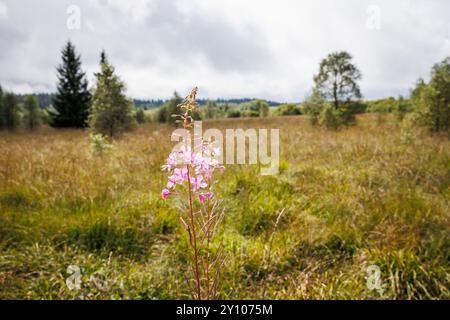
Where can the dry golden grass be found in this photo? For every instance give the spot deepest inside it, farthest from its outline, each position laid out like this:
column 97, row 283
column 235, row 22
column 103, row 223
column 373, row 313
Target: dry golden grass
column 353, row 198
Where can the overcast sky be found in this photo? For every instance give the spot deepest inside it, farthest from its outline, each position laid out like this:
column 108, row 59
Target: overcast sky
column 229, row 48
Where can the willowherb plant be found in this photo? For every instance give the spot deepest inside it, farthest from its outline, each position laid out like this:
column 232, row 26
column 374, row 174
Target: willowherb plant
column 191, row 181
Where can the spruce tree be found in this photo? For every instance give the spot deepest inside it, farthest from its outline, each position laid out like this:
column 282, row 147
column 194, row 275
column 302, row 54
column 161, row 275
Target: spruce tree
column 72, row 101
column 172, row 107
column 111, row 111
column 31, row 107
column 103, row 57
column 11, row 111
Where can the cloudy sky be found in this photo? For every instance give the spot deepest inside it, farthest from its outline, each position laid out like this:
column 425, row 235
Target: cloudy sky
column 229, row 48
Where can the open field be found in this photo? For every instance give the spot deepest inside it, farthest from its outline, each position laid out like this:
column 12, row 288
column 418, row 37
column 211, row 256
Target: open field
column 353, row 198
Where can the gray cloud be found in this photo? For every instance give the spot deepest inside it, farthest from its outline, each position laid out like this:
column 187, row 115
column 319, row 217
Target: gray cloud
column 229, row 48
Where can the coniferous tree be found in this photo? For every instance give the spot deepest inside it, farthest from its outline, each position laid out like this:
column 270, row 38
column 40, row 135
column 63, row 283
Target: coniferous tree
column 103, row 57
column 11, row 111
column 72, row 101
column 111, row 111
column 31, row 106
column 2, row 123
column 171, row 107
column 162, row 115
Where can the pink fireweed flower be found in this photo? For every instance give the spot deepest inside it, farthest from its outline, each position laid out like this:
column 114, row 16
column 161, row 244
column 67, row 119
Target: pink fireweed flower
column 165, row 193
column 171, row 183
column 204, row 196
column 201, row 167
column 180, row 175
column 198, row 182
column 190, row 173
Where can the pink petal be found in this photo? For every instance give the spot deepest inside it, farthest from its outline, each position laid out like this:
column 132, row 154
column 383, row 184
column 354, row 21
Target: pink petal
column 165, row 193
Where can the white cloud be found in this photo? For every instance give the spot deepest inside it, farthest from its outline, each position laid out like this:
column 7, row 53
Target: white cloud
column 137, row 10
column 230, row 48
column 3, row 10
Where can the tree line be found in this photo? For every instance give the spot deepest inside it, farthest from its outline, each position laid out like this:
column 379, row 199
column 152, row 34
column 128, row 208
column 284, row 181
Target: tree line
column 12, row 115
column 336, row 96
column 334, row 101
column 105, row 108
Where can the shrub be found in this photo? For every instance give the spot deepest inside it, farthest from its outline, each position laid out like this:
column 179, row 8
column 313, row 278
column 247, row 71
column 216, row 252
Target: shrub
column 382, row 105
column 408, row 129
column 99, row 144
column 288, row 109
column 214, row 110
column 313, row 106
column 432, row 100
column 330, row 118
column 140, row 116
column 250, row 114
column 234, row 114
column 402, row 108
column 255, row 108
column 172, row 107
column 347, row 113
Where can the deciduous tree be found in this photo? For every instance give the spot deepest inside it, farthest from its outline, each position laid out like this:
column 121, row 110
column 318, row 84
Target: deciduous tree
column 338, row 78
column 432, row 100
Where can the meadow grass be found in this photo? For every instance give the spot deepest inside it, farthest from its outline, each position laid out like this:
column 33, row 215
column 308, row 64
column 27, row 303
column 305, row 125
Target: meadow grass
column 353, row 198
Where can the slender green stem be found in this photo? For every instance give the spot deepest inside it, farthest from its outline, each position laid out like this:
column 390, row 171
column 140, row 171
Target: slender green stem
column 194, row 235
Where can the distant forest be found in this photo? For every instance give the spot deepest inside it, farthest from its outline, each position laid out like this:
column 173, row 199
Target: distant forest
column 45, row 100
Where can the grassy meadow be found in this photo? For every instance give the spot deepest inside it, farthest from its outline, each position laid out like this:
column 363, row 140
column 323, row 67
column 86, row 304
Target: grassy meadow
column 353, row 198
